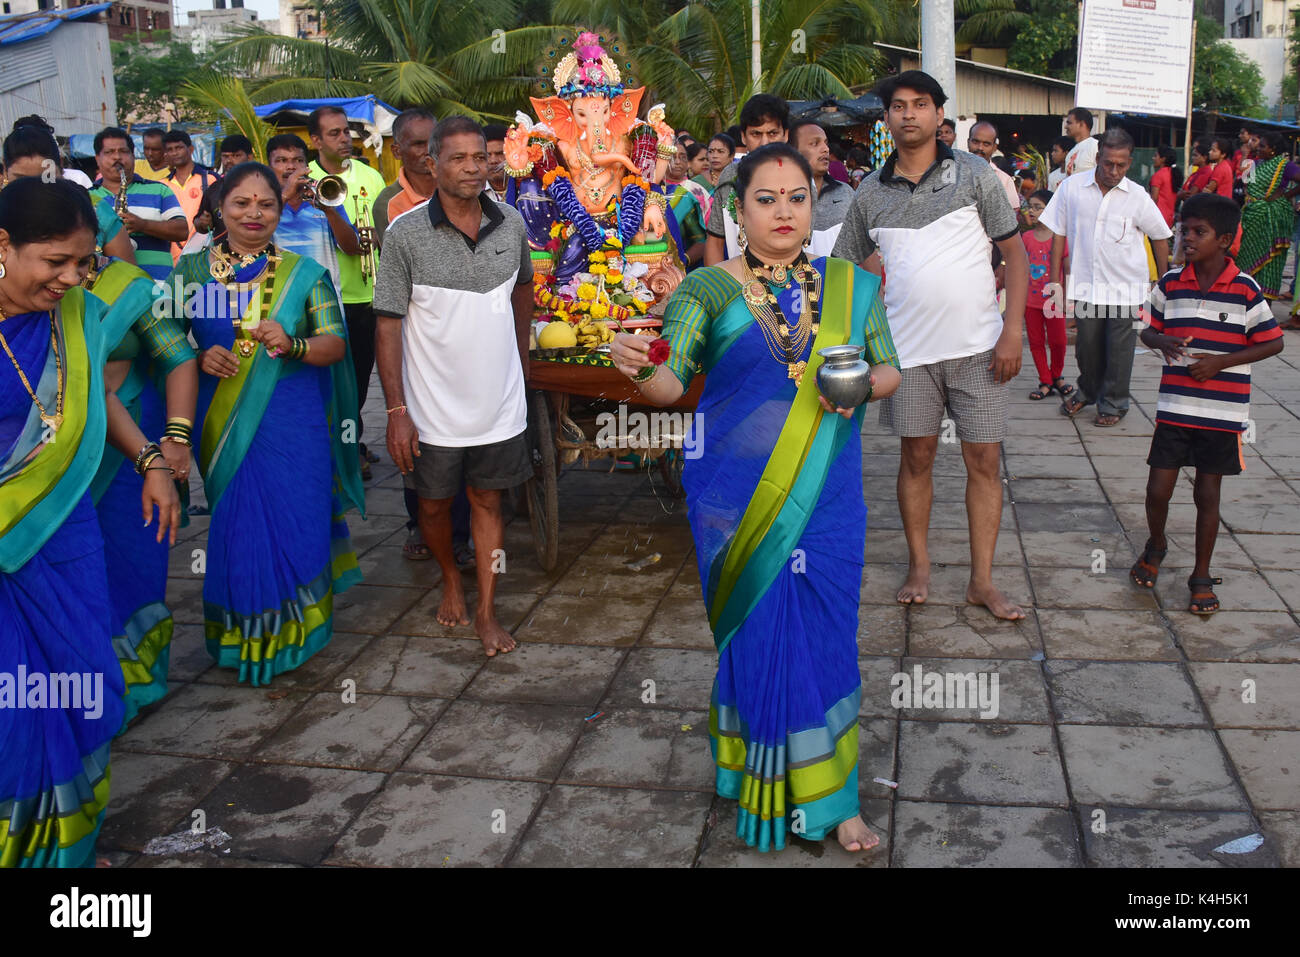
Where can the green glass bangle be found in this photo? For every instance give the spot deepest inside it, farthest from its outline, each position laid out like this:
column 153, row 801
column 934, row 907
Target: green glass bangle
column 646, row 374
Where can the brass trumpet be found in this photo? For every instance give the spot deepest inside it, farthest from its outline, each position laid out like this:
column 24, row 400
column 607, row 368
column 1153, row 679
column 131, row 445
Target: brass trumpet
column 367, row 236
column 326, row 191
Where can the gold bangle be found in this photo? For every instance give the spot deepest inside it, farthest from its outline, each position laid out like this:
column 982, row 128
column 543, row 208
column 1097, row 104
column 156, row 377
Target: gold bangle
column 178, row 440
column 179, row 420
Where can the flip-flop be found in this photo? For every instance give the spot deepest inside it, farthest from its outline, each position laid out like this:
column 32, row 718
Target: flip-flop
column 1065, row 390
column 1069, row 412
column 1106, row 421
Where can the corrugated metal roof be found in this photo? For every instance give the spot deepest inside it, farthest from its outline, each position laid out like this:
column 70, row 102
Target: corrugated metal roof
column 27, row 26
column 988, row 67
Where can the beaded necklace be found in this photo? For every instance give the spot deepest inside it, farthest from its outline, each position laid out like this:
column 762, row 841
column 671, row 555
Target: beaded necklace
column 52, row 422
column 785, row 346
column 222, row 268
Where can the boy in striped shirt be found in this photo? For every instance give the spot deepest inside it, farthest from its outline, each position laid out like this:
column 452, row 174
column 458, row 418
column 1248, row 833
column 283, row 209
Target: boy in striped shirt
column 1211, row 322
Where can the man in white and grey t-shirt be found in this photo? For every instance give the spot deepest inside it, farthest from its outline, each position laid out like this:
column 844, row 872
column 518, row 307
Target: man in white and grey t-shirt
column 928, row 216
column 454, row 300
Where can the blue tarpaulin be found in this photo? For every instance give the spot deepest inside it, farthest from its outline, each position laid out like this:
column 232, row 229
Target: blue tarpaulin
column 371, row 112
column 28, row 26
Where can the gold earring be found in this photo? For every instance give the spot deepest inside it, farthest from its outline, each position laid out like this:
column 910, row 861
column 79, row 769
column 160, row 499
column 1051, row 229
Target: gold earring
column 807, row 241
column 740, row 238
column 2, row 268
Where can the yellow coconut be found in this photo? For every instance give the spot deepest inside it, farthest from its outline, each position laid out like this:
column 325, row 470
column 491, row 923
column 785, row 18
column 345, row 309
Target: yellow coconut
column 557, row 335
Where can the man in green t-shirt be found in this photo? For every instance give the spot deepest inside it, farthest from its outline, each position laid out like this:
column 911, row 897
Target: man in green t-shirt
column 332, row 138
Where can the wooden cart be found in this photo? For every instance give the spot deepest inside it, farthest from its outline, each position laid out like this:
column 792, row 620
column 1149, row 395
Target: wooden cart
column 565, row 396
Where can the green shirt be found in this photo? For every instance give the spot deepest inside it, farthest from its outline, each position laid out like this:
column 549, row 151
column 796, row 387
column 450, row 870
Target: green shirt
column 364, row 186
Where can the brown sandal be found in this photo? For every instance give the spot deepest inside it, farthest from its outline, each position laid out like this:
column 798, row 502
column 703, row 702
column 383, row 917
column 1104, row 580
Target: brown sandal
column 1204, row 601
column 1145, row 571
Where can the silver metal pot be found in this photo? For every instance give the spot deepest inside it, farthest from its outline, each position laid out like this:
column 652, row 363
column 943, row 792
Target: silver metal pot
column 843, row 377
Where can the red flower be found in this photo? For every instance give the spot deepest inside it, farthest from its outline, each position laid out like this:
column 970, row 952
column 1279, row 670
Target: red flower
column 660, row 350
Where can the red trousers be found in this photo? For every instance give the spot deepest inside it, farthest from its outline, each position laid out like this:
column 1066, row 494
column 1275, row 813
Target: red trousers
column 1046, row 334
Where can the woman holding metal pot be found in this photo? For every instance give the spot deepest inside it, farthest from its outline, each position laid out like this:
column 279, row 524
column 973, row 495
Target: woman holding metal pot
column 781, row 572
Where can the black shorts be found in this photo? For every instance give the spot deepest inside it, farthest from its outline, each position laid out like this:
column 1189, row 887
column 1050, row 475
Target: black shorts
column 440, row 469
column 1212, row 451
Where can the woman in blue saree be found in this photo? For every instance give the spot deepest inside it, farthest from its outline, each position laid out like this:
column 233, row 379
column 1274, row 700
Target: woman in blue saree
column 276, row 436
column 151, row 359
column 60, row 684
column 775, row 505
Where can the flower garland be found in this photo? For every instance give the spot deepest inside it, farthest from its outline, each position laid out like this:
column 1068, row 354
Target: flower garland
column 560, row 188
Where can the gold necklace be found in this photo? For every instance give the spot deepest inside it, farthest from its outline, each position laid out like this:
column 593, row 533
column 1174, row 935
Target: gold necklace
column 245, row 345
column 52, row 422
column 784, row 345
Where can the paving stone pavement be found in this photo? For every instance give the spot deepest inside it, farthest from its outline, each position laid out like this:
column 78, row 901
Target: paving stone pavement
column 1128, row 732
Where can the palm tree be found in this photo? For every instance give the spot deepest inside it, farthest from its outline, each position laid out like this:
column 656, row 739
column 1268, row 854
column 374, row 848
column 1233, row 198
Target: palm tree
column 225, row 97
column 696, row 56
column 452, row 56
column 990, row 22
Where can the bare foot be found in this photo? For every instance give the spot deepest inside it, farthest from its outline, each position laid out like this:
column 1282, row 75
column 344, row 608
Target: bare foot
column 917, row 587
column 452, row 611
column 854, row 835
column 999, row 604
column 496, row 640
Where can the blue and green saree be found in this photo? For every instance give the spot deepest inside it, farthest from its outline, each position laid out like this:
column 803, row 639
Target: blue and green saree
column 55, row 614
column 277, row 448
column 155, row 347
column 776, row 510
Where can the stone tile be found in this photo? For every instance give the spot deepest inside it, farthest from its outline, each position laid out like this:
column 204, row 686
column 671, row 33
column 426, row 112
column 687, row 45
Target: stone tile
column 1099, row 443
column 1020, row 698
column 385, row 565
column 876, row 674
column 1098, row 634
column 424, row 820
column 395, row 664
column 882, row 629
column 185, row 600
column 366, row 534
column 1282, row 830
column 1132, row 490
column 1137, row 838
column 1182, row 551
column 1238, row 635
column 1285, row 466
column 1264, row 489
column 208, row 721
column 1121, row 466
column 551, row 674
column 373, row 733
column 1047, row 466
column 1079, row 588
column 189, row 655
column 965, row 835
column 1055, row 491
column 1148, row 767
column 1286, row 584
column 683, row 679
column 582, row 826
column 1274, row 691
column 679, row 623
column 154, row 795
column 593, row 619
column 372, row 609
column 421, row 620
column 1268, row 762
column 968, row 631
column 724, row 848
column 879, row 466
column 288, row 814
column 1239, row 591
column 1271, row 517
column 1072, row 549
column 497, row 739
column 1123, row 693
column 1093, row 517
column 648, row 748
column 980, row 763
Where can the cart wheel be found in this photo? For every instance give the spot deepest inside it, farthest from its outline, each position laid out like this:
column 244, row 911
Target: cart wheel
column 670, row 467
column 541, row 491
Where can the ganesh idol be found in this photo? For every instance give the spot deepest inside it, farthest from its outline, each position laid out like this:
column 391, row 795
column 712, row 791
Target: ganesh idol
column 586, row 182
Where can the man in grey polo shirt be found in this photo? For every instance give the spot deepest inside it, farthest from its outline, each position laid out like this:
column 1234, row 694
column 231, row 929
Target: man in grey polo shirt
column 454, row 301
column 833, row 197
column 928, row 216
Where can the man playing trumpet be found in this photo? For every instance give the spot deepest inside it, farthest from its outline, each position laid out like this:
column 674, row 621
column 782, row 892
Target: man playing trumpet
column 309, row 226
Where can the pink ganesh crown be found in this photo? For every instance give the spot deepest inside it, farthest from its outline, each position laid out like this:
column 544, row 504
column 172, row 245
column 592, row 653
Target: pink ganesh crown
column 587, row 71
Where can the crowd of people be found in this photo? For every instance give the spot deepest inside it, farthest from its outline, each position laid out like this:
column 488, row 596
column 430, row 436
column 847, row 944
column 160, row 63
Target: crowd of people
column 166, row 315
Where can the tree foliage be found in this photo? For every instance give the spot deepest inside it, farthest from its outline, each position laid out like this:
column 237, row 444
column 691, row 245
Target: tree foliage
column 696, row 57
column 452, row 56
column 148, row 75
column 1223, row 80
column 1048, row 44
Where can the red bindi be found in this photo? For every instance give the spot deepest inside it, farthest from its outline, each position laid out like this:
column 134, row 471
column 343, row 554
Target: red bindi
column 782, row 190
column 779, row 163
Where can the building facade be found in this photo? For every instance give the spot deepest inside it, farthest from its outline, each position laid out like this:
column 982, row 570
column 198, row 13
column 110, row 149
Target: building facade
column 1259, row 18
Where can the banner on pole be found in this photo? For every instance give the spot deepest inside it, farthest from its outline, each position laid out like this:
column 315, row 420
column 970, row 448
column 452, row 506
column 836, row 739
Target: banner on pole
column 1135, row 56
